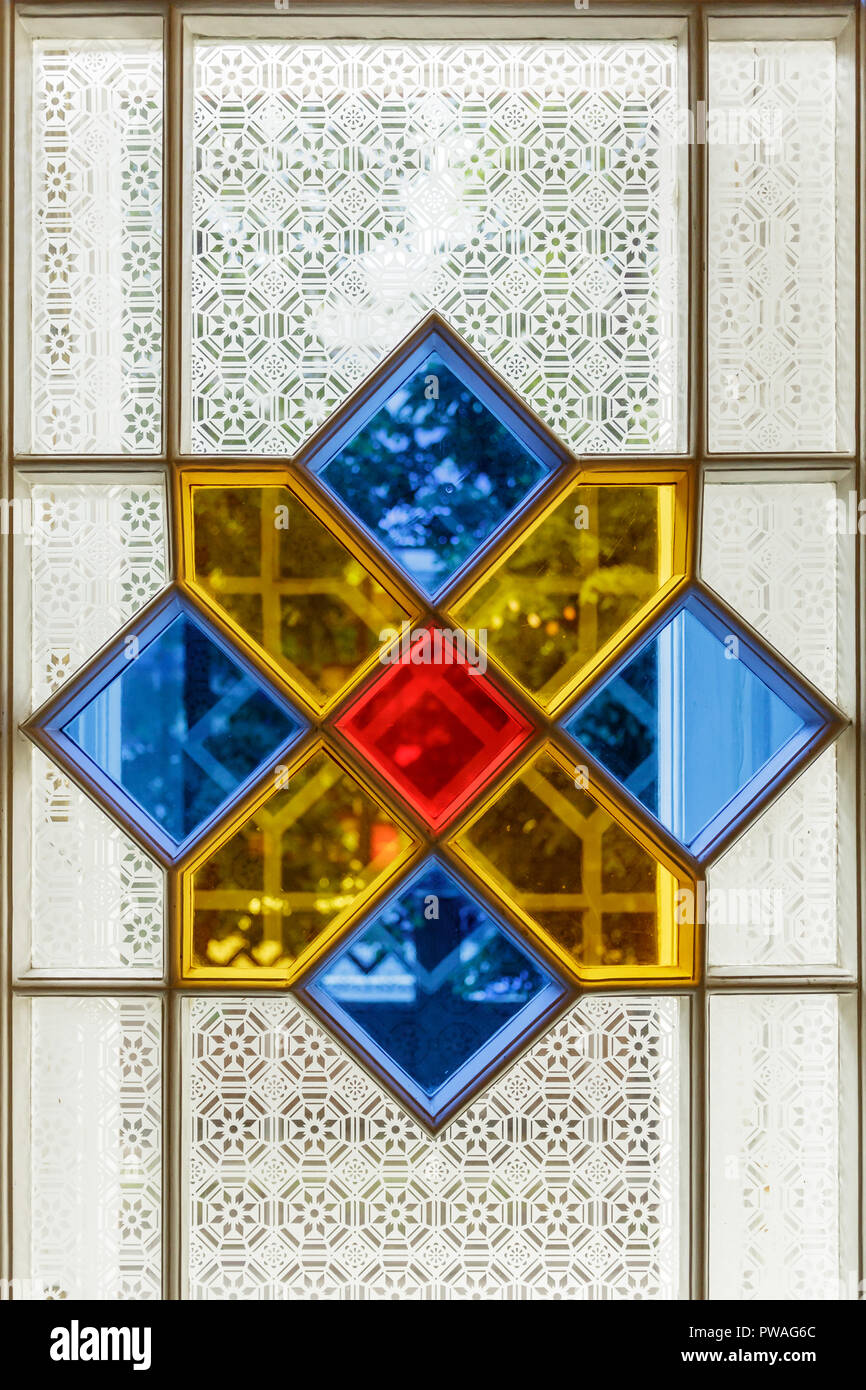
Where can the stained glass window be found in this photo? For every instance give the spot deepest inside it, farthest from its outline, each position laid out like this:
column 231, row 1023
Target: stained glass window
column 432, row 740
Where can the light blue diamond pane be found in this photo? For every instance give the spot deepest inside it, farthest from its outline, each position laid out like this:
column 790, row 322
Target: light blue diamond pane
column 433, row 988
column 686, row 725
column 433, row 474
column 181, row 727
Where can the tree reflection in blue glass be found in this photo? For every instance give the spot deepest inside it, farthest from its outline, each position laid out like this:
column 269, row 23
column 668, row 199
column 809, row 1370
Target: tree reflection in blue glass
column 181, row 726
column 432, row 982
column 433, row 473
column 689, row 722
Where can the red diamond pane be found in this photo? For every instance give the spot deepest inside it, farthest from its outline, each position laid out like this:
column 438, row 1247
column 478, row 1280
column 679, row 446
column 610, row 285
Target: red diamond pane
column 435, row 726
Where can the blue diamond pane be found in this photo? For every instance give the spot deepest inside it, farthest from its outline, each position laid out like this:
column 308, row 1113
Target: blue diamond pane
column 434, row 990
column 181, row 727
column 696, row 724
column 433, row 473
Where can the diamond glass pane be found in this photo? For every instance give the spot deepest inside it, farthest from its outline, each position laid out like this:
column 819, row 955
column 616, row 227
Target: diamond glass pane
column 94, row 241
column 434, row 991
column 604, row 904
column 433, row 473
column 279, row 573
column 278, row 884
column 695, row 724
column 434, row 725
column 171, row 726
column 574, row 583
column 561, row 1181
column 527, row 190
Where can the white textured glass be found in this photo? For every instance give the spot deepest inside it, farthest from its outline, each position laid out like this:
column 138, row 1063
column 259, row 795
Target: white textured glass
column 775, row 1168
column 770, row 549
column 94, row 1097
column 530, row 192
column 306, row 1179
column 98, row 554
column 774, row 898
column 780, row 247
column 94, row 241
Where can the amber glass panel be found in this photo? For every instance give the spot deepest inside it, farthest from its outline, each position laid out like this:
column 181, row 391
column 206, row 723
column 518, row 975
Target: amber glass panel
column 297, row 867
column 288, row 582
column 577, row 579
column 566, row 866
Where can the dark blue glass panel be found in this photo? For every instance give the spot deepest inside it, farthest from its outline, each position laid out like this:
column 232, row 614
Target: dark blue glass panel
column 181, row 727
column 433, row 985
column 433, row 473
column 687, row 723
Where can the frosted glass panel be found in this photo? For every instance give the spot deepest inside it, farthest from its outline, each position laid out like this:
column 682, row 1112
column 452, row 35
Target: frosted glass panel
column 780, row 247
column 774, row 1162
column 94, row 241
column 306, row 1179
column 530, row 192
column 95, row 1145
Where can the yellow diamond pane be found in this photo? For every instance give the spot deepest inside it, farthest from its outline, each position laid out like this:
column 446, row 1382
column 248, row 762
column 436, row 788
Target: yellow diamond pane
column 571, row 872
column 573, row 583
column 290, row 584
column 292, row 872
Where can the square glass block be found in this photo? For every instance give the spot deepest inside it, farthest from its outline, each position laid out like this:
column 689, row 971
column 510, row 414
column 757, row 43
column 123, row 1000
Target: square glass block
column 780, row 245
column 699, row 721
column 528, row 190
column 781, row 1131
column 170, row 726
column 434, row 991
column 437, row 466
column 344, row 1195
column 96, row 900
column 90, row 1157
column 781, row 900
column 91, row 231
column 434, row 724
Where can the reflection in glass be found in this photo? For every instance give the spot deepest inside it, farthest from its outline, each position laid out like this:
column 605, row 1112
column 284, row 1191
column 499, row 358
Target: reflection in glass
column 686, row 724
column 432, row 985
column 289, row 583
column 572, row 581
column 306, row 858
column 433, row 474
column 181, row 727
column 573, row 872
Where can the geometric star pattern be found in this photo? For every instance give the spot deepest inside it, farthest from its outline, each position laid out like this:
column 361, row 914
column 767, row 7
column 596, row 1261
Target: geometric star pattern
column 308, row 1180
column 551, row 206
